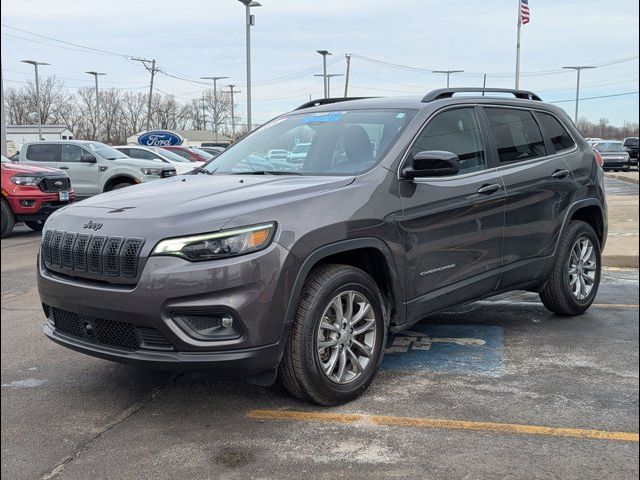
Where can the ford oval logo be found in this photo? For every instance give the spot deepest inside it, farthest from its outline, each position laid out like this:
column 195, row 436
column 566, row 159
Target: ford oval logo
column 159, row 138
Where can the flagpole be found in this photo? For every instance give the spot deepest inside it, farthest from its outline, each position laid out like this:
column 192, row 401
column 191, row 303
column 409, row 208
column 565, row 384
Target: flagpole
column 518, row 48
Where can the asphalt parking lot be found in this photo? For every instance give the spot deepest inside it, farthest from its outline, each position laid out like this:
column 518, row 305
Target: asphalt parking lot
column 496, row 389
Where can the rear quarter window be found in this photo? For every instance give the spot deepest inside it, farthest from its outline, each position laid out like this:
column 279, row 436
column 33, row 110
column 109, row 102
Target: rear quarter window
column 515, row 134
column 43, row 153
column 555, row 132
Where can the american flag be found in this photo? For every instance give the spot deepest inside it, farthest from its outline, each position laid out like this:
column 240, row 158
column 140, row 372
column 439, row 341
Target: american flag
column 525, row 13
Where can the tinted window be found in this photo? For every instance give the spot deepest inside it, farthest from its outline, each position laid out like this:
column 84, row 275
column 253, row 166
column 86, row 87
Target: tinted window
column 609, row 147
column 43, row 152
column 454, row 131
column 71, row 153
column 126, row 151
column 143, row 154
column 631, row 143
column 515, row 134
column 554, row 131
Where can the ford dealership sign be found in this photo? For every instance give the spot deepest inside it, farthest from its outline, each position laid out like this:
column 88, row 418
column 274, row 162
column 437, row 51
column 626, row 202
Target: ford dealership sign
column 159, row 138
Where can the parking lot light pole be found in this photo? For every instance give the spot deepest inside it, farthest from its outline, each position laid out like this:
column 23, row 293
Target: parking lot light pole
column 96, row 75
column 215, row 102
column 38, row 107
column 448, row 73
column 250, row 21
column 578, row 69
column 328, row 76
column 324, row 54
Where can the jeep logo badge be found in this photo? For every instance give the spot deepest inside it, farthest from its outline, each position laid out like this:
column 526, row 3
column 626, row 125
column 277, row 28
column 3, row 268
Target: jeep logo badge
column 92, row 225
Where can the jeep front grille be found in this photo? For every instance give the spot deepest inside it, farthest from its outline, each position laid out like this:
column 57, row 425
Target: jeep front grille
column 93, row 256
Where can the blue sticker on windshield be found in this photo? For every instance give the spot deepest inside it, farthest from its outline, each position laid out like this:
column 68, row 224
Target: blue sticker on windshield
column 322, row 117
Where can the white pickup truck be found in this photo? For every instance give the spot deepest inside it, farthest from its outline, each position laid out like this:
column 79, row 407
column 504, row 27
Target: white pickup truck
column 93, row 167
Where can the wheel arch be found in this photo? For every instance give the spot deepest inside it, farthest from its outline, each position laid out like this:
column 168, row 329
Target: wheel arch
column 369, row 254
column 118, row 179
column 589, row 211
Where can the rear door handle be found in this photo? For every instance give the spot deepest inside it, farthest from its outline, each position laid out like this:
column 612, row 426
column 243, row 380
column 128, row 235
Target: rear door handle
column 63, row 168
column 561, row 174
column 489, row 189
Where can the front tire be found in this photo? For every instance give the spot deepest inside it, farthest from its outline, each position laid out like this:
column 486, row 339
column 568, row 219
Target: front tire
column 575, row 278
column 337, row 338
column 7, row 218
column 119, row 185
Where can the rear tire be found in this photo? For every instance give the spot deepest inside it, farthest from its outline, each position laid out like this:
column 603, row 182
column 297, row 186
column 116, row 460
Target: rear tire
column 575, row 278
column 8, row 219
column 337, row 338
column 35, row 226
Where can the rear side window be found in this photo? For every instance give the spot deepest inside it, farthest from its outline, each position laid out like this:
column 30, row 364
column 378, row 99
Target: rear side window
column 515, row 134
column 44, row 152
column 455, row 131
column 555, row 132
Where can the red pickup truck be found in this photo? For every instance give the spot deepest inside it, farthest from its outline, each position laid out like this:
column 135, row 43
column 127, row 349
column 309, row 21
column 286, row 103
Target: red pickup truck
column 30, row 194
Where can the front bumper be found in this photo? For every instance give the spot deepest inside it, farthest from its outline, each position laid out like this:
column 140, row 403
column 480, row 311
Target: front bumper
column 34, row 205
column 252, row 288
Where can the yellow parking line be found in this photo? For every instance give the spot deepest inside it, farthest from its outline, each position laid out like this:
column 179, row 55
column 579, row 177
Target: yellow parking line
column 347, row 418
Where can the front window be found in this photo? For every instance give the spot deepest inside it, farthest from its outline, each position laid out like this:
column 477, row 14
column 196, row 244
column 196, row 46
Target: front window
column 609, row 147
column 105, row 151
column 339, row 143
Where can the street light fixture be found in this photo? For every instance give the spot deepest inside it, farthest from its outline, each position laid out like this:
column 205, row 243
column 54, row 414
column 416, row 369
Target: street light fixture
column 578, row 69
column 328, row 77
column 324, row 54
column 215, row 102
column 96, row 75
column 36, row 64
column 448, row 73
column 250, row 22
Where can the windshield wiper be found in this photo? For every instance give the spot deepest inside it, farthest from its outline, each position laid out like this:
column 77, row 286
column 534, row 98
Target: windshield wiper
column 267, row 172
column 198, row 170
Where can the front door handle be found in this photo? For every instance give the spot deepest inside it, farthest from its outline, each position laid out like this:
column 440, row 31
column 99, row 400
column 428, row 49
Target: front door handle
column 489, row 189
column 561, row 174
column 63, row 168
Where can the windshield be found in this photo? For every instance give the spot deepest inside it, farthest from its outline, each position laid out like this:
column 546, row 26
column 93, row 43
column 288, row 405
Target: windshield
column 340, row 143
column 609, row 147
column 169, row 155
column 202, row 153
column 105, row 151
column 301, row 148
column 631, row 142
column 5, row 159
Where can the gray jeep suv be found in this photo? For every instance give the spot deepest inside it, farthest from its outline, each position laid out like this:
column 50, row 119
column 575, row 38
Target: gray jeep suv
column 297, row 270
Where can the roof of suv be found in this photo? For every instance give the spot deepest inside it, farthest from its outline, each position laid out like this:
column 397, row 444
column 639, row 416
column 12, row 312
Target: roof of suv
column 438, row 97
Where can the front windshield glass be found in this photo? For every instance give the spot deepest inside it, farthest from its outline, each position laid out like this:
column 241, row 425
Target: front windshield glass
column 169, row 155
column 340, row 143
column 609, row 147
column 105, row 151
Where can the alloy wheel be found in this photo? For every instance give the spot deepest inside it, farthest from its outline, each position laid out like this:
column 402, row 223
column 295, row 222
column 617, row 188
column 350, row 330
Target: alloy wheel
column 346, row 337
column 583, row 266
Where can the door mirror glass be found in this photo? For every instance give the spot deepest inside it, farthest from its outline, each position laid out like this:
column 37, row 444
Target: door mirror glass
column 86, row 158
column 432, row 163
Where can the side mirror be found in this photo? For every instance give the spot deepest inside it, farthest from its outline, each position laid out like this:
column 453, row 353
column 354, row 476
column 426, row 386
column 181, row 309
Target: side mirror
column 88, row 159
column 432, row 163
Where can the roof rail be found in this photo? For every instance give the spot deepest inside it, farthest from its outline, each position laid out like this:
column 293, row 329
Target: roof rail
column 449, row 92
column 327, row 101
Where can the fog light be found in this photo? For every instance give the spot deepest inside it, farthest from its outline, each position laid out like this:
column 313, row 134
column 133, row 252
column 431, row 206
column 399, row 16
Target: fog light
column 208, row 326
column 27, row 203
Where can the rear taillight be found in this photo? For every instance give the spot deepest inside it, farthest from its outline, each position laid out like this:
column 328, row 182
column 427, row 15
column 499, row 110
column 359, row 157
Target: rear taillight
column 598, row 157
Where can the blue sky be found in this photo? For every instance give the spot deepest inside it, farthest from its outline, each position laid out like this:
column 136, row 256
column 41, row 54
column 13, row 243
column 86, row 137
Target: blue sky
column 194, row 38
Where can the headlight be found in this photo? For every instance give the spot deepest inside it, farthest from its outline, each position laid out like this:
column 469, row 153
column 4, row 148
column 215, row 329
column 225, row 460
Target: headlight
column 224, row 244
column 24, row 180
column 151, row 171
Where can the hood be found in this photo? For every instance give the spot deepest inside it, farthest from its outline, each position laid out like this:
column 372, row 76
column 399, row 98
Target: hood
column 189, row 204
column 137, row 162
column 30, row 169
